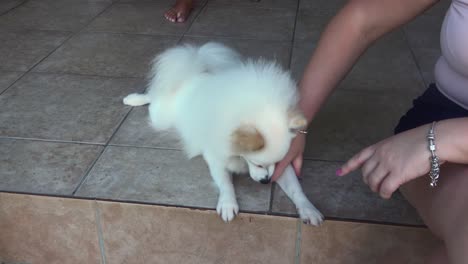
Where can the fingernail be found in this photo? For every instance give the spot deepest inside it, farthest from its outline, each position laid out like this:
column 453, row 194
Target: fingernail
column 339, row 171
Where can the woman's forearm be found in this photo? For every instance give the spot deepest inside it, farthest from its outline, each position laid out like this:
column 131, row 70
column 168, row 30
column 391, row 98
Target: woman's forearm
column 347, row 36
column 452, row 140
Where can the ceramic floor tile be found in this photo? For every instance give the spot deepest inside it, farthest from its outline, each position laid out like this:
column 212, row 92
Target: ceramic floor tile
column 44, row 167
column 153, row 234
column 20, row 50
column 37, row 229
column 423, row 35
column 353, row 243
column 271, row 50
column 164, row 177
column 7, row 78
column 64, row 107
column 424, row 32
column 345, row 197
column 243, row 22
column 289, row 4
column 312, row 19
column 322, row 5
column 427, row 59
column 67, row 15
column 386, row 66
column 141, row 17
column 439, row 9
column 107, row 54
column 136, row 131
column 350, row 121
column 195, row 3
column 8, row 5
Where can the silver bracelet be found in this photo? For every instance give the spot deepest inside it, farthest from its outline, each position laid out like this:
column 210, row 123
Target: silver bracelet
column 435, row 169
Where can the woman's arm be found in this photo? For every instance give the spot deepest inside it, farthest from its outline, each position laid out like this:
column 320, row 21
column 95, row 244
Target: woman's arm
column 346, row 37
column 401, row 158
column 452, row 140
column 356, row 26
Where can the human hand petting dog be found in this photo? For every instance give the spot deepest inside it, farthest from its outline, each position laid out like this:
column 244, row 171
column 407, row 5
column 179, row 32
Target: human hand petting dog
column 294, row 157
column 392, row 162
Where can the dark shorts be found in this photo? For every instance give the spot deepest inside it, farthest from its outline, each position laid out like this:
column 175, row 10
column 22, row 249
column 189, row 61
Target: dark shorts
column 431, row 106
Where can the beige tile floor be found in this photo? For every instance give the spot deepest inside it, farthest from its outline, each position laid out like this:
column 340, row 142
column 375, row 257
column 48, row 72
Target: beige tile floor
column 42, row 229
column 67, row 64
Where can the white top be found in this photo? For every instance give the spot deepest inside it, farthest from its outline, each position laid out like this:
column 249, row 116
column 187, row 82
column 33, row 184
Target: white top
column 451, row 70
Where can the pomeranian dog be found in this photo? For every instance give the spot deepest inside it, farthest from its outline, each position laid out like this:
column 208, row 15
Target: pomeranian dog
column 239, row 115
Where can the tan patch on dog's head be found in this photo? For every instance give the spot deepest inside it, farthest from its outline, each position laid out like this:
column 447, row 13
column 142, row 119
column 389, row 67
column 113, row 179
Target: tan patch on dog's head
column 247, row 139
column 297, row 121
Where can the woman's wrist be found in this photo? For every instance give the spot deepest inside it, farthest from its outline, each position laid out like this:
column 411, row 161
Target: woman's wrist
column 452, row 140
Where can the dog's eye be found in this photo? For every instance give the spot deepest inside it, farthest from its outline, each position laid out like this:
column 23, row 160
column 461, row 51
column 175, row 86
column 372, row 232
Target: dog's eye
column 259, row 166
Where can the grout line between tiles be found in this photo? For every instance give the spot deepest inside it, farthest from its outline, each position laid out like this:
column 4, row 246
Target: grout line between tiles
column 193, row 21
column 283, row 42
column 130, row 33
column 6, row 29
column 291, row 48
column 144, row 147
column 118, row 126
column 297, row 255
column 241, row 5
column 237, row 37
column 91, row 166
column 90, row 75
column 272, row 193
column 413, row 55
column 87, row 143
column 53, row 140
column 56, row 48
column 13, row 8
column 132, row 146
column 99, row 232
column 324, row 160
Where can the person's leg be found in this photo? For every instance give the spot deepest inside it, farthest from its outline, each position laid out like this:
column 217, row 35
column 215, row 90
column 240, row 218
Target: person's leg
column 180, row 11
column 444, row 209
column 438, row 255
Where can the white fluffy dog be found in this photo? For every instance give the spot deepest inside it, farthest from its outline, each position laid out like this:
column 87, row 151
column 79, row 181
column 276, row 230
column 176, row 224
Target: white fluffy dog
column 240, row 116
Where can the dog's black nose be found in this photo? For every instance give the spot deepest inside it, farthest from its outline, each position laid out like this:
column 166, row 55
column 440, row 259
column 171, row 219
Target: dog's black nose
column 265, row 180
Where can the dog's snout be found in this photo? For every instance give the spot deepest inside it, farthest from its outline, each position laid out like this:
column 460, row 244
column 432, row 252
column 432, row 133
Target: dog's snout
column 265, row 180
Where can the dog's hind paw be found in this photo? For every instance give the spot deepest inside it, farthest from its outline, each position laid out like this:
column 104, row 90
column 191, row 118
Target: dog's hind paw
column 227, row 209
column 310, row 215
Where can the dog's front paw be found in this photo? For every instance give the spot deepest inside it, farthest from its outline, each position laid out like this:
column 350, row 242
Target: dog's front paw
column 227, row 208
column 309, row 214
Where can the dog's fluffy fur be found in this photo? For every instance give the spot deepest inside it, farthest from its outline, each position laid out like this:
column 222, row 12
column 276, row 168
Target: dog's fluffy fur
column 239, row 115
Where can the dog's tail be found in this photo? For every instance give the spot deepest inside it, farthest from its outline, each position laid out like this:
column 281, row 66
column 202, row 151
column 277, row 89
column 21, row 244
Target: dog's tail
column 172, row 70
column 136, row 99
column 174, row 67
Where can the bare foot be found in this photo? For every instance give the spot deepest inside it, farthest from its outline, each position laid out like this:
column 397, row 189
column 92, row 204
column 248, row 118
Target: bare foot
column 179, row 12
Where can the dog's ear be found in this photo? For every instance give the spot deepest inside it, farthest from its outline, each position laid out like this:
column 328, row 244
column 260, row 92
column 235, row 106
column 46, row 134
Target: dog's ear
column 297, row 121
column 247, row 139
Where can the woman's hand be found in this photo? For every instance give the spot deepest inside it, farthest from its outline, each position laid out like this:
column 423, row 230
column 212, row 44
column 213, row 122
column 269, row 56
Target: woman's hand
column 293, row 156
column 392, row 162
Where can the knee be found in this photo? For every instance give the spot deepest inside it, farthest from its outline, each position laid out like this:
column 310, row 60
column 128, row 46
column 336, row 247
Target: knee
column 443, row 208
